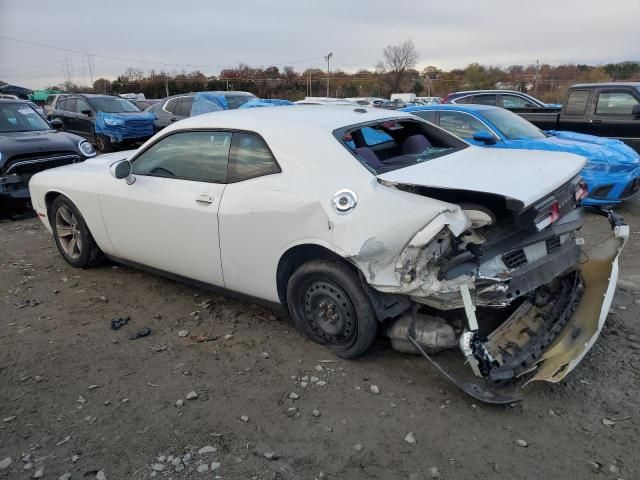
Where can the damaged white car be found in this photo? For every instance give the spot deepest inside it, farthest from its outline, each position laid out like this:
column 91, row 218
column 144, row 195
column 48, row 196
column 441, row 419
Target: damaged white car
column 356, row 221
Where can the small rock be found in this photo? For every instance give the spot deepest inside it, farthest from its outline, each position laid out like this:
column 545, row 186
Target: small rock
column 228, row 336
column 613, row 469
column 608, row 422
column 215, row 466
column 292, row 412
column 179, row 402
column 103, row 298
column 294, row 396
column 265, row 355
column 304, row 384
column 244, row 418
column 433, row 472
column 27, row 466
column 81, row 399
column 8, row 419
column 314, row 379
column 358, row 447
column 5, row 462
column 158, row 467
column 176, row 461
column 520, row 443
column 107, row 402
column 305, row 378
column 321, row 383
column 124, row 400
column 315, row 413
column 39, row 473
column 183, row 333
column 622, row 307
column 186, row 457
column 318, row 368
column 161, row 458
column 100, row 475
column 271, row 455
column 74, row 458
column 207, row 449
column 203, row 468
column 409, row 438
column 594, row 466
column 66, row 476
column 374, row 389
column 191, row 396
column 179, row 467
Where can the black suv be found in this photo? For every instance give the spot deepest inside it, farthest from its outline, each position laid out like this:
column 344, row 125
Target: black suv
column 127, row 127
column 177, row 107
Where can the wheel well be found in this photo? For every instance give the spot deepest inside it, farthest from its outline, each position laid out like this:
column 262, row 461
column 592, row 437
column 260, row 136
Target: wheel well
column 297, row 256
column 48, row 201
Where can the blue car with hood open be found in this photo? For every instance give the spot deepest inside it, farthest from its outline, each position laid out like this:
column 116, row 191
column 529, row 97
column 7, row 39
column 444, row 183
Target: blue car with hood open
column 612, row 172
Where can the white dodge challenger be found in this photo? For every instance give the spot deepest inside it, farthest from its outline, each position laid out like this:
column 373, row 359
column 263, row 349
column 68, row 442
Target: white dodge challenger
column 356, row 221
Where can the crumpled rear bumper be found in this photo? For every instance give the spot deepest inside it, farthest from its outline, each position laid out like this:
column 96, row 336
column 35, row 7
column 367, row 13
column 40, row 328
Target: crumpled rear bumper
column 600, row 274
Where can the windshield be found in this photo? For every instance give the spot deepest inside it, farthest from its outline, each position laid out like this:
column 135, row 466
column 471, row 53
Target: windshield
column 512, row 126
column 20, row 117
column 112, row 105
column 234, row 101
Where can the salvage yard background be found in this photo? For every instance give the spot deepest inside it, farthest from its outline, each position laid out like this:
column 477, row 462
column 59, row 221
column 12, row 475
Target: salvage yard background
column 80, row 398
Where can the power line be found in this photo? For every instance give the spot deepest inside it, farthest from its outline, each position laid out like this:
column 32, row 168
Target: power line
column 133, row 60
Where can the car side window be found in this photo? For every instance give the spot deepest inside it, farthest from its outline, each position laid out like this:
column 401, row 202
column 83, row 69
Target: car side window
column 185, row 106
column 70, row 105
column 461, row 124
column 82, row 105
column 577, row 102
column 615, row 103
column 428, row 115
column 250, row 157
column 198, row 156
column 172, row 106
column 514, row 101
column 486, row 99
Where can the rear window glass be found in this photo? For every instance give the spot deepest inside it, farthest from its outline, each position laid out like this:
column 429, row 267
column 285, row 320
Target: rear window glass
column 577, row 102
column 405, row 143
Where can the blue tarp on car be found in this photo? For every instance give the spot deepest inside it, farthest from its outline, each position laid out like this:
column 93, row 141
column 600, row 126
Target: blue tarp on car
column 207, row 102
column 122, row 126
column 265, row 102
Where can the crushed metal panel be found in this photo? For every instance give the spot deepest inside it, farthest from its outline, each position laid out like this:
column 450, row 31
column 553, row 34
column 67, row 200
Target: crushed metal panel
column 600, row 275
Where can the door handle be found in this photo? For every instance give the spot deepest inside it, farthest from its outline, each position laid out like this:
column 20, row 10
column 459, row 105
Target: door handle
column 205, row 198
column 595, row 121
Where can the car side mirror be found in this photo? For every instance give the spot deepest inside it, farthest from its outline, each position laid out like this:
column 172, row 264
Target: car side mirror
column 636, row 110
column 56, row 123
column 484, row 137
column 122, row 169
column 86, row 112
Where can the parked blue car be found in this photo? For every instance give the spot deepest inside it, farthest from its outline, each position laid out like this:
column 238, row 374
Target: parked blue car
column 612, row 172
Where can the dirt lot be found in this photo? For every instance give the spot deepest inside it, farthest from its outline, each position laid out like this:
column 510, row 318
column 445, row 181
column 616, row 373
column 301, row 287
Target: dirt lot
column 77, row 397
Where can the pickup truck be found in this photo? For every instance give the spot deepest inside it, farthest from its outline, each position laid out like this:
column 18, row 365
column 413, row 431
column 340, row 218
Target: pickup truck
column 602, row 109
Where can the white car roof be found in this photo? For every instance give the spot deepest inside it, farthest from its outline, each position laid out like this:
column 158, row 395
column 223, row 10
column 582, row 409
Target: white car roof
column 277, row 119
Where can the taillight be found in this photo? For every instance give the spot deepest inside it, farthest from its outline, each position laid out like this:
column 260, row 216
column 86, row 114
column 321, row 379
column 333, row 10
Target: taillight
column 582, row 191
column 550, row 217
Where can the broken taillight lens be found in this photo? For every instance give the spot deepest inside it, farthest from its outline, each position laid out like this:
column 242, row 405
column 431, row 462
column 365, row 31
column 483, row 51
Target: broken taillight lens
column 550, row 217
column 581, row 191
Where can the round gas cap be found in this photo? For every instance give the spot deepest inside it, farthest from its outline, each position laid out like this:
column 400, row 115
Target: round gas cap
column 344, row 201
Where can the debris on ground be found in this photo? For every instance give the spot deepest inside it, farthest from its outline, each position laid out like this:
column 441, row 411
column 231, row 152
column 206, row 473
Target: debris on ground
column 142, row 332
column 117, row 323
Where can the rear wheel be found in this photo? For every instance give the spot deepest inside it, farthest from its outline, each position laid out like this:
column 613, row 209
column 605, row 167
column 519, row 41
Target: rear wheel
column 328, row 304
column 72, row 236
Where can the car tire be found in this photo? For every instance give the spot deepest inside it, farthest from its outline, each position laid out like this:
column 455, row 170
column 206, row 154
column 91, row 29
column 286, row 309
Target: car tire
column 72, row 236
column 328, row 304
column 103, row 144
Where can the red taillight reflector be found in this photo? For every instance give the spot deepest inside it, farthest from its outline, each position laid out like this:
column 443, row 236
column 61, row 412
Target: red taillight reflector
column 582, row 191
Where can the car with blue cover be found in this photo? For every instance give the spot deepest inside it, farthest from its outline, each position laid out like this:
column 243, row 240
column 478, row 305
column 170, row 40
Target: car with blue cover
column 110, row 123
column 612, row 172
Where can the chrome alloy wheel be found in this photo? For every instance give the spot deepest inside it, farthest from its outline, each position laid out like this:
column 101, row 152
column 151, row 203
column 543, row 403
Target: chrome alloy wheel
column 68, row 232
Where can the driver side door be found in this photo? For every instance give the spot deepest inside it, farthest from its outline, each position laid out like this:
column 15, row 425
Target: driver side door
column 168, row 218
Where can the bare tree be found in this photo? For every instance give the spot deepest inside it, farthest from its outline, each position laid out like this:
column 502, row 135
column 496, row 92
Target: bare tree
column 396, row 61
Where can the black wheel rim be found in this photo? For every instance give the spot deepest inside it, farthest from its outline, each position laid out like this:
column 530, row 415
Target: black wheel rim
column 330, row 313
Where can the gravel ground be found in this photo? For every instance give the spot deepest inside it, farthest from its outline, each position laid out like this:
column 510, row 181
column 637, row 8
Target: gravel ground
column 260, row 401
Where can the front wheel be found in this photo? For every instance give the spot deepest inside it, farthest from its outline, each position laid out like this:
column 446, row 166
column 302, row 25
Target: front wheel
column 103, row 144
column 72, row 236
column 327, row 303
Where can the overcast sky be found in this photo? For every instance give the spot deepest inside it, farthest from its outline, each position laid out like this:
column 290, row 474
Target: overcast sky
column 216, row 34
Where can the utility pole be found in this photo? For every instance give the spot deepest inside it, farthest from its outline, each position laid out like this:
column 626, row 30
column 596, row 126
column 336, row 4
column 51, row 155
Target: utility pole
column 166, row 85
column 535, row 78
column 328, row 58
